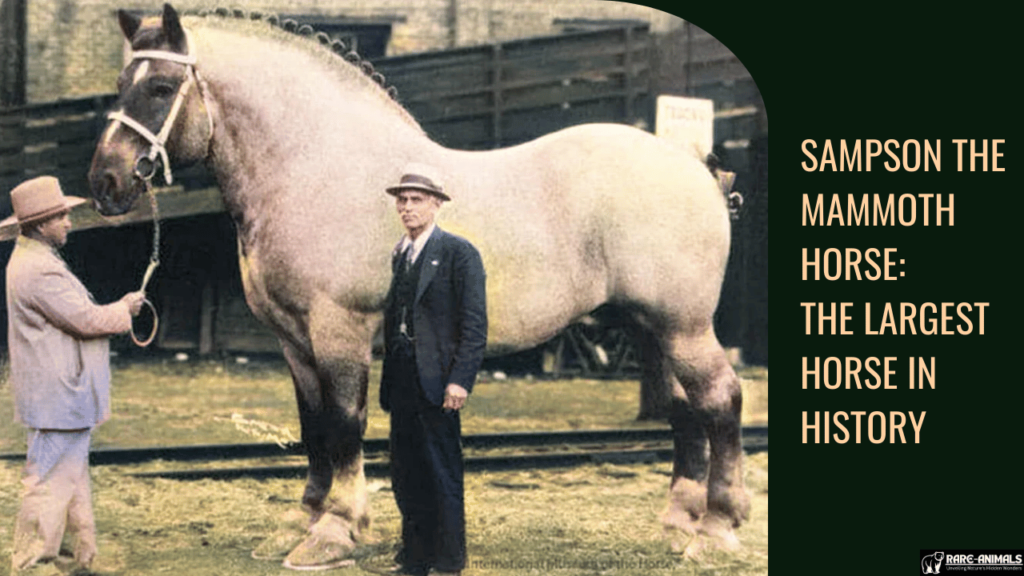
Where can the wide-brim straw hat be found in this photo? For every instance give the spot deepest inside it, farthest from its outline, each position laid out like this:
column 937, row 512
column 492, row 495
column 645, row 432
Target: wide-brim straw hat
column 38, row 199
column 420, row 177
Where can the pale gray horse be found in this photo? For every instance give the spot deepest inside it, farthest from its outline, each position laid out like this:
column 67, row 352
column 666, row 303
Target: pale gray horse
column 303, row 144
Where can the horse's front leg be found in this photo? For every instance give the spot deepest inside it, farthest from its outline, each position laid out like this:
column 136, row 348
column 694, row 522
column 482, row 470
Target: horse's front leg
column 331, row 393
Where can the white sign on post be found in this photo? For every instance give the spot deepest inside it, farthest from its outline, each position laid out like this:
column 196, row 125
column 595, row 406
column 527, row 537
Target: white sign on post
column 688, row 122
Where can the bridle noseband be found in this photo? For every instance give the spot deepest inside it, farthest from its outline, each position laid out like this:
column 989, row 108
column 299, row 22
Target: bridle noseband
column 145, row 166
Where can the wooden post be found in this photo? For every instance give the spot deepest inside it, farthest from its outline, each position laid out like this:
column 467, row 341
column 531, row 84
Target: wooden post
column 627, row 63
column 206, row 312
column 496, row 90
column 13, row 26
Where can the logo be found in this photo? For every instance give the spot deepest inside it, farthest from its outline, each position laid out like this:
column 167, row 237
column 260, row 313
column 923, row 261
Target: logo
column 932, row 563
column 973, row 561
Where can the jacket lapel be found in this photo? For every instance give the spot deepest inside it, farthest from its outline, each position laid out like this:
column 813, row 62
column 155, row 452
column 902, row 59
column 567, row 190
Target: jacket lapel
column 430, row 254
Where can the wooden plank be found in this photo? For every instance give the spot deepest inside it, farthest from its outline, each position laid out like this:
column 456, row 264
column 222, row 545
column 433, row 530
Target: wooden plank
column 429, row 60
column 709, row 49
column 71, row 131
column 455, row 134
column 173, row 203
column 96, row 105
column 535, row 123
column 736, row 128
column 729, row 71
column 596, row 74
column 428, row 63
column 541, row 57
column 740, row 93
column 12, row 135
column 456, row 107
column 55, row 156
column 611, row 53
column 458, row 73
column 12, row 164
column 555, row 94
column 568, row 42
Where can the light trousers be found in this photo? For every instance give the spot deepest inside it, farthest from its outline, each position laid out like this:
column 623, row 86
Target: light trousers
column 56, row 496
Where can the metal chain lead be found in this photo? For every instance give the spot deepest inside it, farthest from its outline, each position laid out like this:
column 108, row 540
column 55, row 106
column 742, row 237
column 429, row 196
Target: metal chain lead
column 154, row 258
column 154, row 261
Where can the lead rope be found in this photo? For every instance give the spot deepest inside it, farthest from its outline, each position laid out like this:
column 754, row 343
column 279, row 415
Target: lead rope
column 154, row 261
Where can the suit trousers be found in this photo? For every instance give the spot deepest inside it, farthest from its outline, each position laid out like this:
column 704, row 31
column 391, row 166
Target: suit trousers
column 426, row 473
column 56, row 495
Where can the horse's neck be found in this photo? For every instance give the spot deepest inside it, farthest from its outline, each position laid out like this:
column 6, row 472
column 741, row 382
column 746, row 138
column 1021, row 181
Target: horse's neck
column 284, row 117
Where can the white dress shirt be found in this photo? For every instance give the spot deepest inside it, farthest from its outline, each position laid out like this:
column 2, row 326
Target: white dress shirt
column 417, row 244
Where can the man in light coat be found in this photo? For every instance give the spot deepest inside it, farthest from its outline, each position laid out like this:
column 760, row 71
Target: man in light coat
column 60, row 375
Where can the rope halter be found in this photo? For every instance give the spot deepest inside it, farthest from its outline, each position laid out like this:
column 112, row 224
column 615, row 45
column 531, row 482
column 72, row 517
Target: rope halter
column 145, row 166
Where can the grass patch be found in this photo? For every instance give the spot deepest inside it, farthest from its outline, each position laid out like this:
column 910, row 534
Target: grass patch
column 163, row 402
column 581, row 521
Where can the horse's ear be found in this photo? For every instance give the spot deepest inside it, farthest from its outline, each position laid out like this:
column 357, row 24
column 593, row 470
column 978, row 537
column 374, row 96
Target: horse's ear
column 129, row 23
column 173, row 31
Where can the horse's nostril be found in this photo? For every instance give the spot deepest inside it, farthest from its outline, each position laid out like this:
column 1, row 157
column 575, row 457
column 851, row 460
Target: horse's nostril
column 107, row 185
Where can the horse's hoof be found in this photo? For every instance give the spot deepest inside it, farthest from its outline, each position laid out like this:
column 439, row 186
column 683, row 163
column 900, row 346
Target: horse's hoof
column 289, row 534
column 327, row 546
column 681, row 541
column 718, row 531
column 687, row 498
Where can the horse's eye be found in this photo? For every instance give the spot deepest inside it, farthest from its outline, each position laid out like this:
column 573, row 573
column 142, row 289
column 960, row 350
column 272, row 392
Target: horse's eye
column 161, row 90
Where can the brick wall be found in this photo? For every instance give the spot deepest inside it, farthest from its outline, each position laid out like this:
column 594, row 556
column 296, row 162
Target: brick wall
column 74, row 47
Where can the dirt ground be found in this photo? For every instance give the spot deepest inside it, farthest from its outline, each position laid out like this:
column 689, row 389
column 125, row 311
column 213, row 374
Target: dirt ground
column 596, row 519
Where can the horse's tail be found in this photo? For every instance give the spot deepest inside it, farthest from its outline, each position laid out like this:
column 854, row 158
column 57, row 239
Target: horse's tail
column 725, row 181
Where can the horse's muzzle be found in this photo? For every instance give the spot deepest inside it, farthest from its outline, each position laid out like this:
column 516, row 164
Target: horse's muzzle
column 105, row 187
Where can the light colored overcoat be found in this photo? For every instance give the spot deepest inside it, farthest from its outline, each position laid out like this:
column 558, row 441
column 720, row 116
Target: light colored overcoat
column 58, row 341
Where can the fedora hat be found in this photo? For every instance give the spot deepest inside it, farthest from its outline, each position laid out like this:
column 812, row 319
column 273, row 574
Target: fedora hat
column 420, row 177
column 38, row 199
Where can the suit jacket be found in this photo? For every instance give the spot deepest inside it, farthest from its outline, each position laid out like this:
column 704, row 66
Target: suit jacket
column 449, row 318
column 57, row 339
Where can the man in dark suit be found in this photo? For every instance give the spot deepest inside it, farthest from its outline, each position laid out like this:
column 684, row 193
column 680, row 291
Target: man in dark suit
column 435, row 331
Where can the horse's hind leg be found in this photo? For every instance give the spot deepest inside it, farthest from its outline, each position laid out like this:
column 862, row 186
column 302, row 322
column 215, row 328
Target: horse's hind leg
column 709, row 397
column 657, row 377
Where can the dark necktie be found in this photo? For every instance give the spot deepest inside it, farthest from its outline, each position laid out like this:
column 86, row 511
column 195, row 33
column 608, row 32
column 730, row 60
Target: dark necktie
column 407, row 257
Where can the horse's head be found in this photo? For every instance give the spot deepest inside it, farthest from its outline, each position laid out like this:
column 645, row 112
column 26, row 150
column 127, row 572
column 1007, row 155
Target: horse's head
column 161, row 116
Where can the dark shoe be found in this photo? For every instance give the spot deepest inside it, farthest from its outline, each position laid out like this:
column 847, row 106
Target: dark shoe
column 434, row 572
column 404, row 570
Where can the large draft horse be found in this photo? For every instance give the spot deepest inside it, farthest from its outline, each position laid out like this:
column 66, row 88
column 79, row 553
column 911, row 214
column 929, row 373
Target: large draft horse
column 303, row 140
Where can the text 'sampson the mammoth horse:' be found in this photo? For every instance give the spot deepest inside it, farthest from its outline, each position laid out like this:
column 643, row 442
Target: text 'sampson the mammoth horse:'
column 303, row 141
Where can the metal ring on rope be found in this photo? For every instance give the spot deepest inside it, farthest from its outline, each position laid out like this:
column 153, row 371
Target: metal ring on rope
column 152, row 334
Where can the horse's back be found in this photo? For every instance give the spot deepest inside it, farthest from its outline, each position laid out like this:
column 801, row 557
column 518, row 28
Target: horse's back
column 589, row 214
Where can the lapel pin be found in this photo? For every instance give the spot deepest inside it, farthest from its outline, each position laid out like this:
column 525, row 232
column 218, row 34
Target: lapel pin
column 433, row 262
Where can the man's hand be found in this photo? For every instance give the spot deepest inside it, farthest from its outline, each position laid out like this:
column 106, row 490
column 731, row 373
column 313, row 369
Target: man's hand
column 134, row 301
column 454, row 397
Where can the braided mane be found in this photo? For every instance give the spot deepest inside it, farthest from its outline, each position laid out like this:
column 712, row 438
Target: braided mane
column 338, row 48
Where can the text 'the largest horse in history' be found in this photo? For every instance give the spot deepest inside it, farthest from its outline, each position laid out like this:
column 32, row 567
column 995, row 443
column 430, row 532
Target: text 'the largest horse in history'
column 303, row 143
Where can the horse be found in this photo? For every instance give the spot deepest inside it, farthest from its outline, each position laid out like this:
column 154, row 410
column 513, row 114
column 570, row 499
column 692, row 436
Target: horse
column 303, row 138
